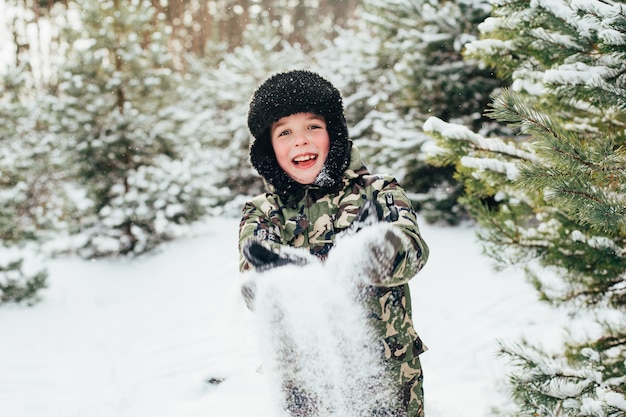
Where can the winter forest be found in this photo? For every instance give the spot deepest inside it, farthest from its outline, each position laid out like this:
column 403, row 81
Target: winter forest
column 123, row 124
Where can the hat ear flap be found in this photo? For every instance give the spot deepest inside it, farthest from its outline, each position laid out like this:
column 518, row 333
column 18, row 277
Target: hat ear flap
column 263, row 159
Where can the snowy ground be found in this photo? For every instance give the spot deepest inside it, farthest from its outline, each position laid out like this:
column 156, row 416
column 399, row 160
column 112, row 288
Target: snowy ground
column 141, row 338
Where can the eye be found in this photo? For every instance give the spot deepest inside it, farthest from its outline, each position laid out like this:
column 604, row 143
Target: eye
column 312, row 127
column 283, row 133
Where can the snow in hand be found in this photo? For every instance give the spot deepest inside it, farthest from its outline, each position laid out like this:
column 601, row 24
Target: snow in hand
column 143, row 337
column 313, row 332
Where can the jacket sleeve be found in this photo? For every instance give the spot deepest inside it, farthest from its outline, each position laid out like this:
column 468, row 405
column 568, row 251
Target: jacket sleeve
column 256, row 223
column 397, row 209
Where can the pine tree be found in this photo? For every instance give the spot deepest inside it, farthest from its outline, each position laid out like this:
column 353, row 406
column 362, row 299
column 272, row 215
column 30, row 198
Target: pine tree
column 25, row 208
column 421, row 54
column 553, row 198
column 117, row 120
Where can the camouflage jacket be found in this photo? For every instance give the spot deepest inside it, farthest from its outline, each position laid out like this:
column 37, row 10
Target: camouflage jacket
column 315, row 219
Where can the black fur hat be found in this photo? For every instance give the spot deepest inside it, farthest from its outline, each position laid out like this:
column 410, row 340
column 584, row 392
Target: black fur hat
column 287, row 93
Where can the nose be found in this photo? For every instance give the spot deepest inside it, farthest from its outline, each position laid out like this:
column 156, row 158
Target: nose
column 301, row 138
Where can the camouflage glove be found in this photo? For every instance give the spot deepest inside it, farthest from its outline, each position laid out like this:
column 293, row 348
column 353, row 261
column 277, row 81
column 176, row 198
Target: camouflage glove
column 382, row 244
column 259, row 256
column 248, row 291
column 377, row 244
column 264, row 258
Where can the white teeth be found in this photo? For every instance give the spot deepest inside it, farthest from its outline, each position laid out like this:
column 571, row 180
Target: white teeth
column 304, row 158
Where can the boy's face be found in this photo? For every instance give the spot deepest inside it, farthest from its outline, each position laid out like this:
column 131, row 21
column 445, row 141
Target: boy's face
column 301, row 145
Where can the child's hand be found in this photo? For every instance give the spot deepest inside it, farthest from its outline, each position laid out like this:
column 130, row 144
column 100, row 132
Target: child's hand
column 382, row 255
column 248, row 291
column 377, row 245
column 265, row 258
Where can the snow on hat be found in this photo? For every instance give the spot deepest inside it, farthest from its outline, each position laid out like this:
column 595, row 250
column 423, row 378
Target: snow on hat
column 292, row 92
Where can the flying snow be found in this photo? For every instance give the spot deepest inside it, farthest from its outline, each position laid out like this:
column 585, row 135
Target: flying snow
column 313, row 332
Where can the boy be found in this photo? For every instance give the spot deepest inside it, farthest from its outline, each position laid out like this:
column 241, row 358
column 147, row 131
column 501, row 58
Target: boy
column 317, row 183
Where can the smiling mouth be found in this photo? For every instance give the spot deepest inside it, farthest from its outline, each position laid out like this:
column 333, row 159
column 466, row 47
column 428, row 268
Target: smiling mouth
column 303, row 159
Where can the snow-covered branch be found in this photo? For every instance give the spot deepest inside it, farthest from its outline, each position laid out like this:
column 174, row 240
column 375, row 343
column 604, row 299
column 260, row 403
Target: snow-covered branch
column 453, row 131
